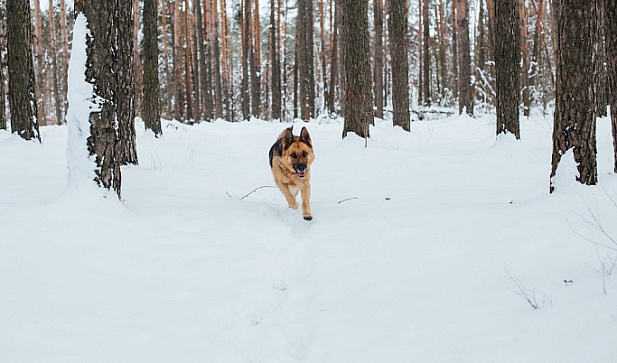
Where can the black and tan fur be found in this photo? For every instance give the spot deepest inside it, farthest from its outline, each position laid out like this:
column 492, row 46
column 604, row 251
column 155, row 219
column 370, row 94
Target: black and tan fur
column 290, row 159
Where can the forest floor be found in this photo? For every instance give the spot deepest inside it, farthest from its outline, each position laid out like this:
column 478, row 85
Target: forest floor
column 439, row 245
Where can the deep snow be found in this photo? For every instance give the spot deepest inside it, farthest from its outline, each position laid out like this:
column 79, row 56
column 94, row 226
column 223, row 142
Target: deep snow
column 417, row 252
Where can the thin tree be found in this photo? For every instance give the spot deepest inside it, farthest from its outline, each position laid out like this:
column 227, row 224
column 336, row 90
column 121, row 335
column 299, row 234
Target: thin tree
column 575, row 103
column 64, row 58
column 426, row 59
column 126, row 80
column 151, row 109
column 245, row 92
column 22, row 95
column 507, row 60
column 525, row 82
column 358, row 88
column 276, row 64
column 610, row 21
column 55, row 88
column 465, row 90
column 397, row 24
column 378, row 90
column 216, row 55
column 40, row 87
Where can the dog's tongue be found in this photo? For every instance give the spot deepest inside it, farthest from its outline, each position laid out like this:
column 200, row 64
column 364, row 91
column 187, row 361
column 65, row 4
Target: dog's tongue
column 301, row 174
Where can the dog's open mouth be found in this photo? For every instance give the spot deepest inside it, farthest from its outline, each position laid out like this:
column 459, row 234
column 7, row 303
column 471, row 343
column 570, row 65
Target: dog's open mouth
column 301, row 174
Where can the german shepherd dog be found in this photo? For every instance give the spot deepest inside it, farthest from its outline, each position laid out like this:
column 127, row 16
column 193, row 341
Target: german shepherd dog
column 290, row 160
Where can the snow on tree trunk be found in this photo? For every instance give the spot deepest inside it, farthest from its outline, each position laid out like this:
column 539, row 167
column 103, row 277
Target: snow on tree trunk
column 82, row 102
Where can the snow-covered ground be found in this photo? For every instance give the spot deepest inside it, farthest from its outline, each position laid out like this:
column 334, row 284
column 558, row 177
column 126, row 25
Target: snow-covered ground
column 429, row 246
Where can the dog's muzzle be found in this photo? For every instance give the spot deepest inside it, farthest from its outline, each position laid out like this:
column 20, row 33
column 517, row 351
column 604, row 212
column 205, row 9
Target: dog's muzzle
column 300, row 170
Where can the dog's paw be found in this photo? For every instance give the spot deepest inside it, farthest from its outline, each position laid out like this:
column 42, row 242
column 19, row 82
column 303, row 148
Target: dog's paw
column 294, row 206
column 308, row 217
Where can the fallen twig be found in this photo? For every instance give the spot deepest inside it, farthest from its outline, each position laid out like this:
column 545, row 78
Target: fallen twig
column 346, row 200
column 256, row 189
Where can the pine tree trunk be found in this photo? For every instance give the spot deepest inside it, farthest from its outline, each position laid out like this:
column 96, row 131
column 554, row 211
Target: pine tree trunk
column 189, row 69
column 334, row 64
column 2, row 63
column 575, row 104
column 22, row 96
column 601, row 75
column 426, row 61
column 525, row 58
column 199, row 61
column 245, row 90
column 54, row 63
column 218, row 84
column 276, row 65
column 421, row 54
column 151, row 109
column 455, row 69
column 378, row 58
column 40, row 87
column 138, row 83
column 358, row 89
column 103, row 143
column 442, row 53
column 125, row 92
column 342, row 39
column 255, row 61
column 305, row 56
column 507, row 60
column 400, row 66
column 610, row 20
column 465, row 93
column 537, row 40
column 64, row 59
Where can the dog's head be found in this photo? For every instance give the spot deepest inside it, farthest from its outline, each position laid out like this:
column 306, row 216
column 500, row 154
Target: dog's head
column 297, row 151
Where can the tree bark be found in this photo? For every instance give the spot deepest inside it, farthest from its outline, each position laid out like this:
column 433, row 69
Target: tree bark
column 426, row 58
column 465, row 90
column 507, row 60
column 22, row 95
column 276, row 64
column 397, row 23
column 306, row 72
column 2, row 63
column 358, row 89
column 379, row 56
column 54, row 63
column 124, row 70
column 575, row 104
column 610, row 20
column 151, row 109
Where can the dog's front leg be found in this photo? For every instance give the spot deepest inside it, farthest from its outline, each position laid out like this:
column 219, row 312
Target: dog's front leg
column 291, row 200
column 305, row 192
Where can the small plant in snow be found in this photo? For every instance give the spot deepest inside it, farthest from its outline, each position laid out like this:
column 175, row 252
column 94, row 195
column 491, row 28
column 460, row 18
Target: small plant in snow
column 533, row 297
column 606, row 250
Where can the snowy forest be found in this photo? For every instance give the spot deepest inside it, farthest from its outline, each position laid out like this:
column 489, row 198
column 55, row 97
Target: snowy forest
column 463, row 194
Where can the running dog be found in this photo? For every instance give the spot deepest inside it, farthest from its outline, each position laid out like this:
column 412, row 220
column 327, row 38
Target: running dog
column 290, row 160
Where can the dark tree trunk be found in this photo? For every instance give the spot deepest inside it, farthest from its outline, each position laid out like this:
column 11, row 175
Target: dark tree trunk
column 125, row 76
column 378, row 63
column 358, row 89
column 276, row 64
column 575, row 104
column 103, row 143
column 610, row 20
column 218, row 84
column 334, row 63
column 199, row 64
column 507, row 60
column 54, row 63
column 465, row 90
column 397, row 22
column 601, row 71
column 342, row 82
column 2, row 63
column 22, row 98
column 151, row 106
column 245, row 92
column 426, row 59
column 306, row 70
column 455, row 70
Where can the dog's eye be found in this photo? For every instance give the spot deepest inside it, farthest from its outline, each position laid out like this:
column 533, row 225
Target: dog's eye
column 304, row 154
column 294, row 155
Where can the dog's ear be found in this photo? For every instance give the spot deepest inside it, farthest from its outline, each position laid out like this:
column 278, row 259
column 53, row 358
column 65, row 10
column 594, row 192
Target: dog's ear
column 287, row 136
column 305, row 137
